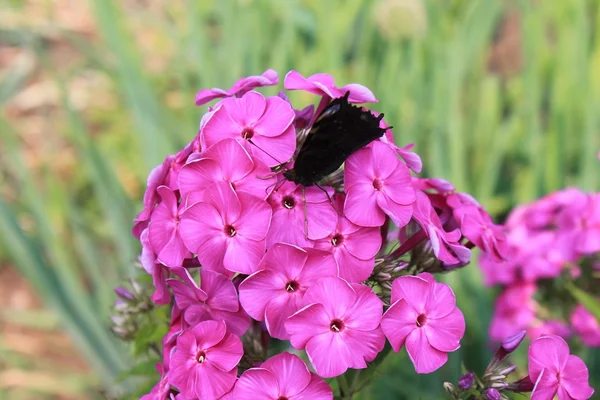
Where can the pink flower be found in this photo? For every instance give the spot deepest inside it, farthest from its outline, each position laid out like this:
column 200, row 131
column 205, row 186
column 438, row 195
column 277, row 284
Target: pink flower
column 162, row 390
column 586, row 326
column 275, row 292
column 581, row 219
column 551, row 327
column 376, row 184
column 477, row 226
column 424, row 317
column 268, row 78
column 300, row 215
column 339, row 327
column 163, row 231
column 555, row 371
column 323, row 85
column 445, row 245
column 228, row 161
column 284, row 376
column 159, row 272
column 267, row 123
column 354, row 247
column 204, row 364
column 514, row 311
column 227, row 230
column 215, row 299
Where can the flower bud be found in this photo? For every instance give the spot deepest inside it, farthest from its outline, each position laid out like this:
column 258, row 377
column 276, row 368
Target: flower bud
column 448, row 387
column 492, row 394
column 466, row 381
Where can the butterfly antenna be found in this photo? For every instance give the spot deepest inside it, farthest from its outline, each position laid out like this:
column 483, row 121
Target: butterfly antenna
column 273, row 184
column 329, row 198
column 254, row 144
column 305, row 216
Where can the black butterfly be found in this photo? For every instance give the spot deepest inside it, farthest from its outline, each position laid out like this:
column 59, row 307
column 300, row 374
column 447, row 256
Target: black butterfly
column 340, row 130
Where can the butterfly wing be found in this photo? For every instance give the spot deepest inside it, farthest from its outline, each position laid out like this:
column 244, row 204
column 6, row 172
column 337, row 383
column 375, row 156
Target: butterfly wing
column 339, row 131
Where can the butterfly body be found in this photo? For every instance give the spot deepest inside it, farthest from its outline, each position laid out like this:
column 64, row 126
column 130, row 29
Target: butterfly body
column 340, row 130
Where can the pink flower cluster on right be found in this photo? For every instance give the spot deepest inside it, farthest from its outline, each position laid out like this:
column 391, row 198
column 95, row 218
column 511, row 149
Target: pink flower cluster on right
column 554, row 245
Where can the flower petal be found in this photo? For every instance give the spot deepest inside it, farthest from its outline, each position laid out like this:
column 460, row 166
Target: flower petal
column 291, row 372
column 256, row 383
column 574, row 379
column 444, row 334
column 424, row 357
column 306, row 323
column 330, row 355
column 398, row 322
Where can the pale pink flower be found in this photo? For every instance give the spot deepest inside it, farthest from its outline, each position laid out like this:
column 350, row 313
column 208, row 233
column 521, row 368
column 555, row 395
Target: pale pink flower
column 284, row 376
column 354, row 247
column 266, row 122
column 300, row 215
column 215, row 299
column 555, row 371
column 424, row 318
column 377, row 184
column 227, row 230
column 204, row 363
column 323, row 85
column 586, row 326
column 163, row 231
column 243, row 85
column 275, row 291
column 445, row 245
column 228, row 161
column 339, row 327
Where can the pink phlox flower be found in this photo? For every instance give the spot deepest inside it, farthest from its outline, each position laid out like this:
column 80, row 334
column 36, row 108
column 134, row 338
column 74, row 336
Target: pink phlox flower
column 555, row 371
column 227, row 229
column 581, row 219
column 436, row 185
column 377, row 184
column 275, row 291
column 505, row 272
column 303, row 117
column 477, row 226
column 300, row 215
column 445, row 245
column 204, row 363
column 354, row 247
column 176, row 327
column 412, row 159
column 544, row 256
column 228, row 161
column 215, row 299
column 323, row 85
column 162, row 390
column 163, row 231
column 552, row 327
column 159, row 272
column 514, row 310
column 339, row 326
column 284, row 376
column 586, row 326
column 243, row 85
column 263, row 125
column 424, row 318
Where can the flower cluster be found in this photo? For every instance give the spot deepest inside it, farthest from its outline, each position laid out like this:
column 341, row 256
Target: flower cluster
column 552, row 371
column 243, row 255
column 554, row 248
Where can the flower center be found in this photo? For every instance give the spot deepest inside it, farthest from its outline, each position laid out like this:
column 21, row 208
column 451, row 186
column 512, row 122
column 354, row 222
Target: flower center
column 337, row 239
column 247, row 133
column 336, row 325
column 230, row 230
column 282, row 398
column 201, row 357
column 377, row 184
column 288, row 202
column 421, row 320
column 291, row 286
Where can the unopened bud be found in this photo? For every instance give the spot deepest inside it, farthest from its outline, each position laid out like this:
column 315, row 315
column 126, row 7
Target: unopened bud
column 507, row 371
column 448, row 387
column 492, row 394
column 466, row 381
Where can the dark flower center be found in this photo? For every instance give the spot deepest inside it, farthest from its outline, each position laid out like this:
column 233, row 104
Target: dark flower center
column 291, row 286
column 421, row 320
column 336, row 326
column 377, row 184
column 282, row 398
column 337, row 239
column 247, row 133
column 288, row 202
column 201, row 357
column 230, row 230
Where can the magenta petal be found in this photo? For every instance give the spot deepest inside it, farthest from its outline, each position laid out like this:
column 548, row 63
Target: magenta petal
column 198, row 175
column 352, row 269
column 547, row 352
column 319, row 264
column 400, row 214
column 227, row 353
column 574, row 379
column 317, row 389
column 220, row 291
column 424, row 357
column 307, row 322
column 246, row 110
column 334, row 293
column 278, row 116
column 321, row 219
column 398, row 322
column 330, row 354
column 233, row 160
column 414, row 289
column 286, row 260
column 220, row 125
column 211, row 383
column 209, row 333
column 361, row 206
column 363, row 243
column 257, row 290
column 222, row 196
column 237, row 322
column 365, row 313
column 256, row 384
column 200, row 223
column 359, row 93
column 359, row 168
column 277, row 312
column 174, row 252
column 545, row 387
column 445, row 334
column 365, row 345
column 243, row 255
column 441, row 300
column 255, row 218
column 291, row 372
column 398, row 186
column 275, row 150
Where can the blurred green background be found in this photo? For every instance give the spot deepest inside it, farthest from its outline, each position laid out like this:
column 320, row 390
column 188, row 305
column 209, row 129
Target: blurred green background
column 500, row 97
